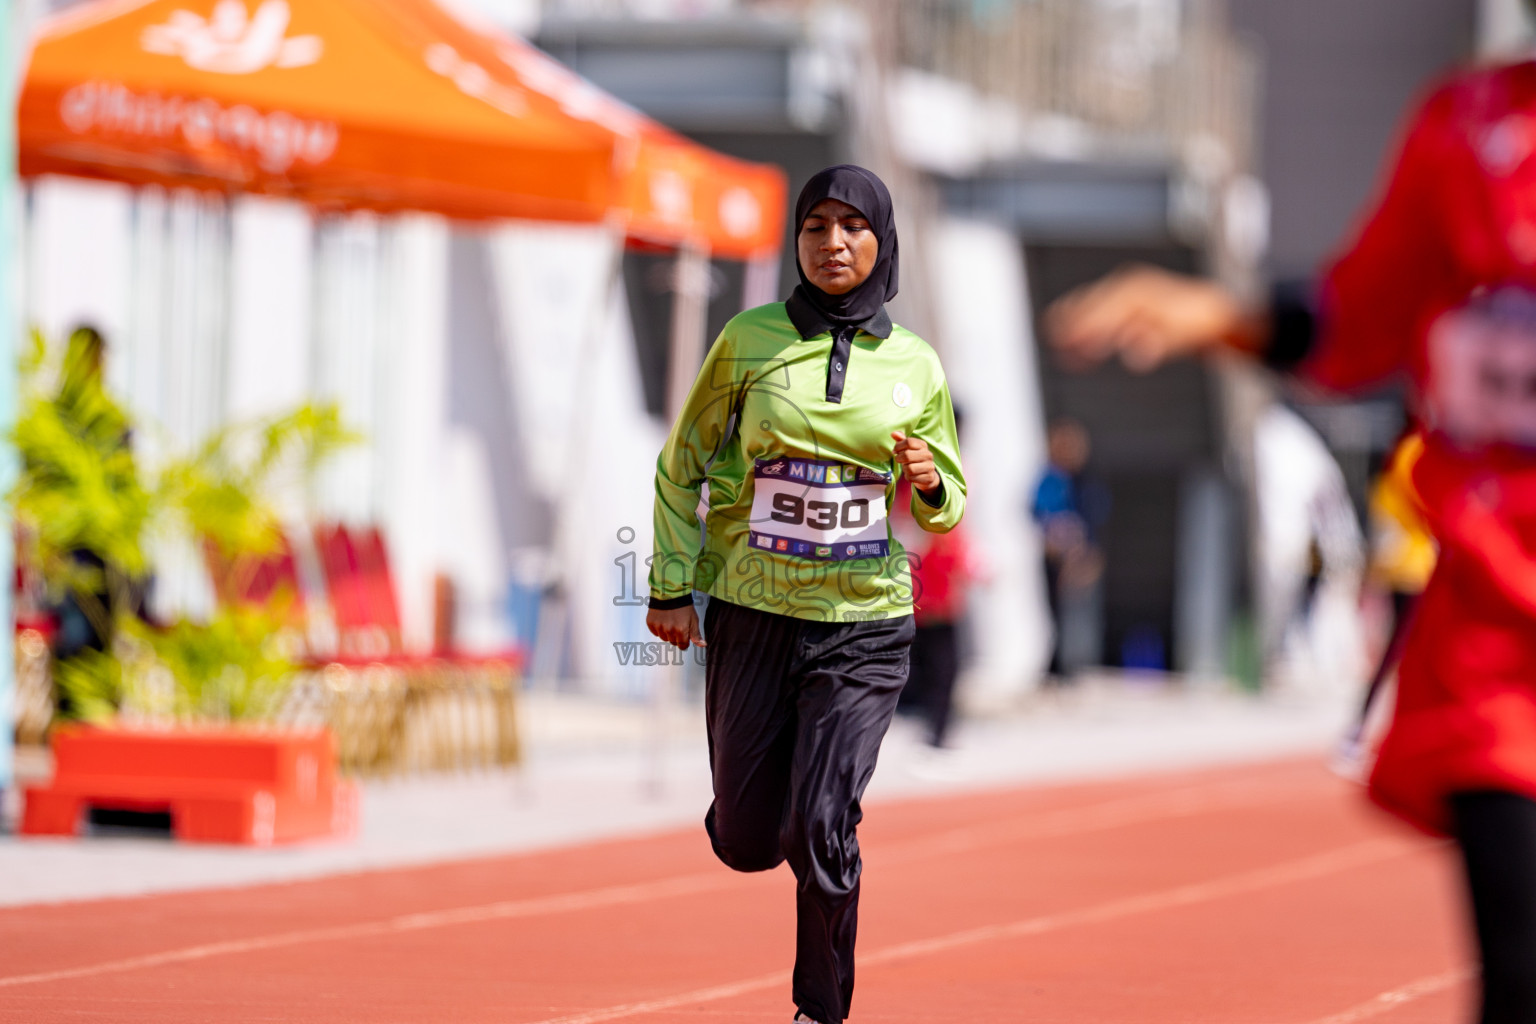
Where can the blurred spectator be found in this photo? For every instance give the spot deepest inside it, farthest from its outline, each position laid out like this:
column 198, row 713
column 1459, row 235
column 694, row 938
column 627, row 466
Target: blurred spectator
column 95, row 590
column 1310, row 555
column 1071, row 506
column 943, row 566
column 85, row 614
column 1403, row 550
column 1403, row 555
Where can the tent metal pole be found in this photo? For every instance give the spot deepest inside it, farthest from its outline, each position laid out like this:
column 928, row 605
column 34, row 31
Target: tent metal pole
column 554, row 614
column 690, row 314
column 690, row 322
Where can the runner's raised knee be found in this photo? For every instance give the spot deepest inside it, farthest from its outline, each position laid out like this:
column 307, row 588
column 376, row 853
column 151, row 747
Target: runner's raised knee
column 744, row 846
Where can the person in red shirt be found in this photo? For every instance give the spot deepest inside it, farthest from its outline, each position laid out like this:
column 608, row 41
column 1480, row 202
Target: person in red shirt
column 1439, row 287
column 943, row 567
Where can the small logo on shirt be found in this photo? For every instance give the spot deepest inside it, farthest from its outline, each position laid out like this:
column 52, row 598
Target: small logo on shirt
column 901, row 395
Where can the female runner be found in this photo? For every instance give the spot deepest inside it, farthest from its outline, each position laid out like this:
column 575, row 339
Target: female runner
column 1440, row 285
column 801, row 420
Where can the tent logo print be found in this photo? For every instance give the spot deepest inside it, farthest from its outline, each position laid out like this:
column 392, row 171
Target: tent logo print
column 473, row 80
column 671, row 196
column 740, row 212
column 278, row 139
column 233, row 41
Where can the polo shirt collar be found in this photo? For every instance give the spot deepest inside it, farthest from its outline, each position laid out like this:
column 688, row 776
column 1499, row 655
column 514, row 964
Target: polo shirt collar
column 809, row 321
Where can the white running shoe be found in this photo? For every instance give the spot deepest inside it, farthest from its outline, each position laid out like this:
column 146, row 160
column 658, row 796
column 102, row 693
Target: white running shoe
column 1348, row 760
column 801, row 1018
column 940, row 764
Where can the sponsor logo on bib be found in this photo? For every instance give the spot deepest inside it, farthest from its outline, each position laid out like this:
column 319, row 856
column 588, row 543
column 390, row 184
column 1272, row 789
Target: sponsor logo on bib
column 817, row 508
column 901, row 395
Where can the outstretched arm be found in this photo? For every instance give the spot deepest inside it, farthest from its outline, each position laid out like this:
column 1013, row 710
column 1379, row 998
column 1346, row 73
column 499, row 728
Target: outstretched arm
column 1358, row 329
column 1148, row 316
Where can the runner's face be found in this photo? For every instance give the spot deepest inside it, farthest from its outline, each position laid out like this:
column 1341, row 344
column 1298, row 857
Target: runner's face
column 837, row 247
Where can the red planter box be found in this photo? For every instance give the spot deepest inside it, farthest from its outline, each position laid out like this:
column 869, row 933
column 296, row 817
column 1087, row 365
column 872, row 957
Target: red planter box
column 220, row 785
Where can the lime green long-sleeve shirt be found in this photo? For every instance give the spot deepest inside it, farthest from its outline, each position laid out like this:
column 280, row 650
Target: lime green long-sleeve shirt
column 800, row 487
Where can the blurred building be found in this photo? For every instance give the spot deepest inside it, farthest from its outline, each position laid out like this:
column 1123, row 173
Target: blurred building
column 1031, row 144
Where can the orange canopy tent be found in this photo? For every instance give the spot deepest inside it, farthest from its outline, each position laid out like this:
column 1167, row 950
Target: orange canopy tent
column 679, row 190
column 671, row 189
column 372, row 104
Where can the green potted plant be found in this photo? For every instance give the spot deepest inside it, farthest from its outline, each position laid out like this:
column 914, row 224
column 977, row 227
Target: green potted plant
column 174, row 714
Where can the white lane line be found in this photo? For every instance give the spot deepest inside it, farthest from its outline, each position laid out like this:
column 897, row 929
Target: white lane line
column 697, row 996
column 1391, row 1000
column 619, row 895
column 1304, row 869
column 1180, row 803
column 1186, row 802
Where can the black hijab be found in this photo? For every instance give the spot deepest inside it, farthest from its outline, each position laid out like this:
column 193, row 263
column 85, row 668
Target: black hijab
column 863, row 191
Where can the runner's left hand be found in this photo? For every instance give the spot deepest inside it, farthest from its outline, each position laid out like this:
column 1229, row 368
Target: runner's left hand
column 916, row 462
column 677, row 626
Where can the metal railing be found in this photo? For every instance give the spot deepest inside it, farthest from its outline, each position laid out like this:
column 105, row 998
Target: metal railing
column 1126, row 72
column 1115, row 74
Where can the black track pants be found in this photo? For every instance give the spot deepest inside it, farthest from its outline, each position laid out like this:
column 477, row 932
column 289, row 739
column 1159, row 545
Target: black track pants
column 935, row 665
column 796, row 711
column 1497, row 835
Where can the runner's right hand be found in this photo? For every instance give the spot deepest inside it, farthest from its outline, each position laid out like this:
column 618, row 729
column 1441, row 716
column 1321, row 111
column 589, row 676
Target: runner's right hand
column 677, row 626
column 1146, row 316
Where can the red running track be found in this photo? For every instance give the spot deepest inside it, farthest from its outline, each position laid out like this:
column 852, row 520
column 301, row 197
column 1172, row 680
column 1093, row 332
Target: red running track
column 1267, row 894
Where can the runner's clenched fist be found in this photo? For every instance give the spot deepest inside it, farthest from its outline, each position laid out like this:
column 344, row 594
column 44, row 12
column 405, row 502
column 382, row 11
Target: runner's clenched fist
column 916, row 462
column 677, row 626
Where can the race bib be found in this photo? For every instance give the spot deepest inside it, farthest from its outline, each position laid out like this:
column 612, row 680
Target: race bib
column 818, row 509
column 1482, row 379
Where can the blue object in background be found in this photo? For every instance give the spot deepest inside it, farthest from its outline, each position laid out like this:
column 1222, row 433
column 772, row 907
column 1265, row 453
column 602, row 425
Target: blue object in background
column 1143, row 650
column 983, row 10
column 523, row 612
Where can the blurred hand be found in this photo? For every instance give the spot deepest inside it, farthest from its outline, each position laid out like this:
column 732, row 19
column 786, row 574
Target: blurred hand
column 1144, row 315
column 1064, row 533
column 677, row 626
column 1081, row 568
column 916, row 462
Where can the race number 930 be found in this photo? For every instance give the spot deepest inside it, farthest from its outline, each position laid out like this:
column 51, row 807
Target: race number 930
column 820, row 515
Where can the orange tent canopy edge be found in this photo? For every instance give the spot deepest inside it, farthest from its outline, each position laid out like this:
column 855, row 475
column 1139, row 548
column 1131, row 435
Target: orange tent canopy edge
column 387, row 105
